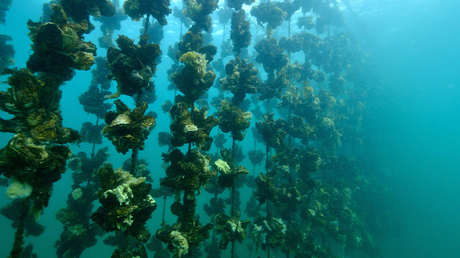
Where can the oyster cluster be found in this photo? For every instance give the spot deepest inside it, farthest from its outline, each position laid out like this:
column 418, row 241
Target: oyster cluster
column 133, row 66
column 159, row 9
column 58, row 47
column 128, row 129
column 126, row 203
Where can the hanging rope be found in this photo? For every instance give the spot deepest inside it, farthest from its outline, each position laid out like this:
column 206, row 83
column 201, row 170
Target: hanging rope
column 147, row 23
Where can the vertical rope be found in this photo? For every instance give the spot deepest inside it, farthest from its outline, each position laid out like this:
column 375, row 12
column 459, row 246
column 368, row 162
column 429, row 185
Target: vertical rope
column 94, row 143
column 147, row 24
column 289, row 39
column 134, row 156
column 18, row 245
column 164, row 209
column 233, row 212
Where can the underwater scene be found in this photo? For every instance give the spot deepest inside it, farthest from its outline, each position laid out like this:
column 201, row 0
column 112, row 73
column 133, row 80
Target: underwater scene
column 231, row 128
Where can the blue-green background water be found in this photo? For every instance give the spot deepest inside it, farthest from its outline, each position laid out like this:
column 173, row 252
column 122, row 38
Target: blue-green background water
column 415, row 44
column 414, row 48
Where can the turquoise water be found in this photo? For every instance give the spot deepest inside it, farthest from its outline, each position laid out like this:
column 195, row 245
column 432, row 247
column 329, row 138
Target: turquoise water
column 416, row 48
column 412, row 124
